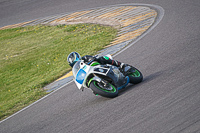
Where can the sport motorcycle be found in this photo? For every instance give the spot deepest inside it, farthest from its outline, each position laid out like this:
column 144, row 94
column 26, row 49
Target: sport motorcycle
column 105, row 80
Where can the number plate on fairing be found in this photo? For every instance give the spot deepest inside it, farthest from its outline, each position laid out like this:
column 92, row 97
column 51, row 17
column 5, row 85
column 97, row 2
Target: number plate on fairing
column 102, row 70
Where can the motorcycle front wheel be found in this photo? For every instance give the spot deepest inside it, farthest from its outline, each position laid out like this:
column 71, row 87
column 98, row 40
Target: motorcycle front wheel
column 109, row 90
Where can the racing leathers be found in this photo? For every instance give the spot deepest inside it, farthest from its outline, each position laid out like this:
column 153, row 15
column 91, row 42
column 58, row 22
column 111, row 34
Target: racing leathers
column 103, row 60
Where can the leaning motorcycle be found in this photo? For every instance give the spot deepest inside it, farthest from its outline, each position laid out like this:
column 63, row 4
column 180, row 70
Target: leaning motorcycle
column 105, row 80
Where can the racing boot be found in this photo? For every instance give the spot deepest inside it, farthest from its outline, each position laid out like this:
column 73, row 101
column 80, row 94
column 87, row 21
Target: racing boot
column 125, row 68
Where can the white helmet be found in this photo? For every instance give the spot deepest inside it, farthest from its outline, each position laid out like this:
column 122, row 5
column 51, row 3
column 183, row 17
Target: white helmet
column 73, row 57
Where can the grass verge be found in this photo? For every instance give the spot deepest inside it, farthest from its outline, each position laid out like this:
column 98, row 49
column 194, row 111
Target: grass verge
column 33, row 56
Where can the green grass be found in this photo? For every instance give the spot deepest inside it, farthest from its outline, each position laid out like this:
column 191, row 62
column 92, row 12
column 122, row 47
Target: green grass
column 34, row 56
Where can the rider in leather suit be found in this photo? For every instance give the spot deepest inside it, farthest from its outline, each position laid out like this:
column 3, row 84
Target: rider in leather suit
column 74, row 57
column 103, row 60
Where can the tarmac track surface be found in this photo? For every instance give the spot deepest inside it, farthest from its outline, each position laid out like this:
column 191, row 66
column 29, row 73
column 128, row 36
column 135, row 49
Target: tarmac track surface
column 167, row 101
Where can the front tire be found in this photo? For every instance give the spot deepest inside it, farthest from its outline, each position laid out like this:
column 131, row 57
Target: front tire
column 109, row 91
column 135, row 76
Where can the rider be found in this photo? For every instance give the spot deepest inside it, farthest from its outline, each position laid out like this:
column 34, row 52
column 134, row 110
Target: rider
column 73, row 57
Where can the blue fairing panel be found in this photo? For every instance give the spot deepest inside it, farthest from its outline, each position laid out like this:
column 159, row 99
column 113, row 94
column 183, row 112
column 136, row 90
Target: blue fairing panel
column 123, row 86
column 80, row 76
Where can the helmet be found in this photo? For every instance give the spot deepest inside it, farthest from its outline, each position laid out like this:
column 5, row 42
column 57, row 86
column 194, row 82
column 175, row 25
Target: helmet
column 73, row 57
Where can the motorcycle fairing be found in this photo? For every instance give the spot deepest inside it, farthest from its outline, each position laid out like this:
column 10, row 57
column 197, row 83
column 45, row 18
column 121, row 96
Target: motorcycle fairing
column 80, row 76
column 81, row 71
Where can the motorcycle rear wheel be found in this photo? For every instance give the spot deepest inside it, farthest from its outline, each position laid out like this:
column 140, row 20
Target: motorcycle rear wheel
column 109, row 91
column 135, row 76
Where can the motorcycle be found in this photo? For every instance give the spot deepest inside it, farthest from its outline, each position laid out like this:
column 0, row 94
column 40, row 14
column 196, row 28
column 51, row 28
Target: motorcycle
column 105, row 80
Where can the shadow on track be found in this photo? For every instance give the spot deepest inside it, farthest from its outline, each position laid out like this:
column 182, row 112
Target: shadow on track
column 145, row 80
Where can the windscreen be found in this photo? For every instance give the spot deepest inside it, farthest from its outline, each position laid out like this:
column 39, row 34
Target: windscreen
column 76, row 67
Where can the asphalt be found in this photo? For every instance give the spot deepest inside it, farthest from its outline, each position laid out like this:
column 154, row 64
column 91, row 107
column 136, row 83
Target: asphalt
column 167, row 101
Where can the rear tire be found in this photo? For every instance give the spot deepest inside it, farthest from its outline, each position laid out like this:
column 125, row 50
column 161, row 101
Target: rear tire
column 103, row 91
column 135, row 76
